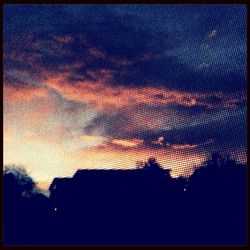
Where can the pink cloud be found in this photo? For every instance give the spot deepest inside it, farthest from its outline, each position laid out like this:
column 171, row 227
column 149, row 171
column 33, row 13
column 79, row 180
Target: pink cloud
column 65, row 39
column 127, row 143
column 24, row 94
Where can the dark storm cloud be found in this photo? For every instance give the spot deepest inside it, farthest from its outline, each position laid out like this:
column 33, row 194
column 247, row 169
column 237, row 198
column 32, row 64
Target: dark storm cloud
column 228, row 129
column 192, row 110
column 115, row 37
column 163, row 46
column 19, row 80
column 196, row 48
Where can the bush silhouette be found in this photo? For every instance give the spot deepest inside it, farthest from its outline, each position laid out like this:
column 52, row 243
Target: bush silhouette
column 25, row 210
column 23, row 180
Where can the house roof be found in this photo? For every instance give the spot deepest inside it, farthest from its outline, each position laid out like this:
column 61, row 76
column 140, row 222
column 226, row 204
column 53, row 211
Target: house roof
column 103, row 175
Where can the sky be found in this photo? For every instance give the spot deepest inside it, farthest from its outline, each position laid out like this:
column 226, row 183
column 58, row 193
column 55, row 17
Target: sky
column 107, row 86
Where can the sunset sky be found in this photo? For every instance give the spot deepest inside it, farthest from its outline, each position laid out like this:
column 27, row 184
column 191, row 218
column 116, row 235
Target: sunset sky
column 105, row 86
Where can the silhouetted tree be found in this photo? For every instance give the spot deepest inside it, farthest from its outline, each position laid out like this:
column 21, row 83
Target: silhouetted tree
column 217, row 201
column 23, row 179
column 26, row 211
column 152, row 164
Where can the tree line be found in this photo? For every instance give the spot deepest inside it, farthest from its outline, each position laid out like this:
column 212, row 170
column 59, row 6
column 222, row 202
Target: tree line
column 145, row 206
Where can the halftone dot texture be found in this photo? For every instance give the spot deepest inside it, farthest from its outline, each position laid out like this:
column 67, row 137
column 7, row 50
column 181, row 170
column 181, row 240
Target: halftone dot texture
column 107, row 86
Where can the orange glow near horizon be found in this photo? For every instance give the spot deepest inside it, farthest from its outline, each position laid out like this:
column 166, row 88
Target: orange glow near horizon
column 46, row 157
column 40, row 135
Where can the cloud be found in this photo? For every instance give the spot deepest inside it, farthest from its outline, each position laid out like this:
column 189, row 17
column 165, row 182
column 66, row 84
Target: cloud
column 184, row 146
column 159, row 141
column 127, row 143
column 92, row 140
column 212, row 34
column 99, row 93
column 91, row 77
column 125, row 82
column 110, row 40
column 26, row 94
column 202, row 133
column 190, row 146
column 66, row 39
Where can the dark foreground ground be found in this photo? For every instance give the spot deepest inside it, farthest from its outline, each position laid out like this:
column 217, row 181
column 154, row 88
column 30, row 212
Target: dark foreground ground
column 208, row 209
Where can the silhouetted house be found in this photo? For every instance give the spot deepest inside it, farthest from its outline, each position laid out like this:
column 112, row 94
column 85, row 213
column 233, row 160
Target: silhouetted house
column 60, row 190
column 147, row 206
column 90, row 189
